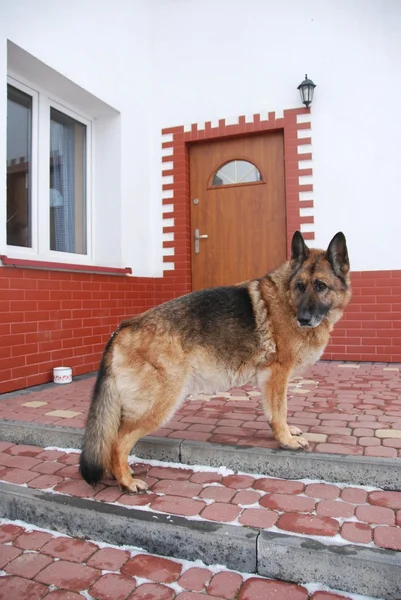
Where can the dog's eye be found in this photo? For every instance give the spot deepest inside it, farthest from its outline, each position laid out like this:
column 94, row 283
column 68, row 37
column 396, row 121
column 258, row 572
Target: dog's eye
column 320, row 286
column 301, row 287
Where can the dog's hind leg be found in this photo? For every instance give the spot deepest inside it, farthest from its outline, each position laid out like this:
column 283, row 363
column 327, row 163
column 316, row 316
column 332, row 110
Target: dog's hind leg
column 128, row 436
column 140, row 417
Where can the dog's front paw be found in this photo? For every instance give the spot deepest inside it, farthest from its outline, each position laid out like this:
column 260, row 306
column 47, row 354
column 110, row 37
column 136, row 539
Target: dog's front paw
column 295, row 443
column 294, row 430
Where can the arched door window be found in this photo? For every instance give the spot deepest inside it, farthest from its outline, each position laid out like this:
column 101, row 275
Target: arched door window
column 236, row 172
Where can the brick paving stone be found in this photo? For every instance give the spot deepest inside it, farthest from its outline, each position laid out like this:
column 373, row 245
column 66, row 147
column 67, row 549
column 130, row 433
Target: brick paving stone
column 363, row 432
column 225, row 584
column 153, row 591
column 189, row 435
column 288, row 503
column 186, row 507
column 73, row 576
column 263, row 589
column 48, row 468
column 13, row 588
column 220, row 494
column 315, row 437
column 308, row 524
column 45, row 482
column 112, row 585
column 279, row 485
column 109, row 494
column 354, row 495
column 155, row 568
column 194, row 596
column 108, row 559
column 70, row 471
column 339, row 449
column 381, row 451
column 224, row 513
column 137, row 499
column 368, row 441
column 50, row 454
column 246, row 498
column 330, row 430
column 8, row 532
column 322, row 490
column 23, row 462
column 204, row 478
column 63, row 595
column 80, row 488
column 32, row 540
column 387, row 537
column 170, row 473
column 388, row 433
column 195, row 579
column 238, row 482
column 376, row 515
column 391, row 443
column 387, row 499
column 177, row 488
column 328, row 596
column 69, row 459
column 333, row 508
column 28, row 565
column 24, row 450
column 71, row 549
column 5, row 445
column 7, row 554
column 16, row 475
column 359, row 533
column 258, row 517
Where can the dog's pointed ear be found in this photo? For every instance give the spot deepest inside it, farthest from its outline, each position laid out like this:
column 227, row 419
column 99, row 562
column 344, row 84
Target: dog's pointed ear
column 299, row 250
column 337, row 254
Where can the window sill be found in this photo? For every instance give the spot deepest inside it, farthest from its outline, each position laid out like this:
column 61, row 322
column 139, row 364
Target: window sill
column 55, row 266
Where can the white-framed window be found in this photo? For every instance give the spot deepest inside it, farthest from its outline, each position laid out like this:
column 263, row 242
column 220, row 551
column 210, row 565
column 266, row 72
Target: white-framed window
column 49, row 166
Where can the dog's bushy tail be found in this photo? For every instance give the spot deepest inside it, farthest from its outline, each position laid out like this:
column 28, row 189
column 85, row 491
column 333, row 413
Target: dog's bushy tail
column 101, row 426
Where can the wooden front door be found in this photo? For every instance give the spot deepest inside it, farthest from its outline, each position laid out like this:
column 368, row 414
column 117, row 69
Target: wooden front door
column 238, row 202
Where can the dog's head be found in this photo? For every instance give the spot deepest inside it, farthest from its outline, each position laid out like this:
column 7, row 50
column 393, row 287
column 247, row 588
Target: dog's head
column 319, row 285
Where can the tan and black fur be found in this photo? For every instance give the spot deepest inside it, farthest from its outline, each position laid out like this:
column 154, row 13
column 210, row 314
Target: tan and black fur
column 265, row 330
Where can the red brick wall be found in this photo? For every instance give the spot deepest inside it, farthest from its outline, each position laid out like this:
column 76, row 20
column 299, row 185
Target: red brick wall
column 50, row 318
column 371, row 327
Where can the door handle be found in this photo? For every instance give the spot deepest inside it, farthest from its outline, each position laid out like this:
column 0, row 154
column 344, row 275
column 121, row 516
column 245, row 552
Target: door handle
column 197, row 238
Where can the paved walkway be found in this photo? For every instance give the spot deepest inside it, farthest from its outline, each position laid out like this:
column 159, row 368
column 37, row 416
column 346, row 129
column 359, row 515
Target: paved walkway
column 343, row 408
column 39, row 564
column 364, row 516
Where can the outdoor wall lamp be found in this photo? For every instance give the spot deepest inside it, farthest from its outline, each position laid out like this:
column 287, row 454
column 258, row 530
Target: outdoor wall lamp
column 306, row 89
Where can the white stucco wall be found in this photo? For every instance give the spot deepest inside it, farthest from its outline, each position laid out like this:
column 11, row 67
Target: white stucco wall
column 220, row 59
column 160, row 63
column 103, row 48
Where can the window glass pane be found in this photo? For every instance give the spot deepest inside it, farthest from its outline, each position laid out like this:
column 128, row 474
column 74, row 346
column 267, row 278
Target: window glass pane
column 67, row 184
column 19, row 144
column 235, row 172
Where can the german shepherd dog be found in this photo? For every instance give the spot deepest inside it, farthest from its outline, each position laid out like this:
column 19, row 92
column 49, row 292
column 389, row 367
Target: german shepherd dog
column 262, row 330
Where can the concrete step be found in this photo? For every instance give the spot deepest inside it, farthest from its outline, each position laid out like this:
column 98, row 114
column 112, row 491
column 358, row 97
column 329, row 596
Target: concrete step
column 40, row 563
column 361, row 470
column 344, row 536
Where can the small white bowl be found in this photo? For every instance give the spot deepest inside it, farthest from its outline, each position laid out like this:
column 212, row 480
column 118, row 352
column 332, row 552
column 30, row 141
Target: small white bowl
column 62, row 374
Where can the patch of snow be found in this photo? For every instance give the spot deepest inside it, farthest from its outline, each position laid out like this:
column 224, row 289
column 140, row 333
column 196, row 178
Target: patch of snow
column 318, row 587
column 65, row 450
column 28, row 527
column 224, row 471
